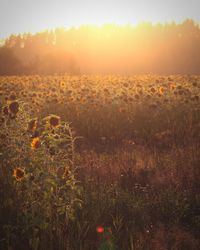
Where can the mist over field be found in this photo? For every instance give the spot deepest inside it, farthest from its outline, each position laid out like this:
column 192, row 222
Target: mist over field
column 109, row 49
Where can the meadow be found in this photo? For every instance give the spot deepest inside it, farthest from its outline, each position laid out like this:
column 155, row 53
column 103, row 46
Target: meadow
column 100, row 162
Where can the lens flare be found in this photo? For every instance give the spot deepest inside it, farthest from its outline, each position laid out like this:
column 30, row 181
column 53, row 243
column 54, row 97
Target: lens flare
column 99, row 229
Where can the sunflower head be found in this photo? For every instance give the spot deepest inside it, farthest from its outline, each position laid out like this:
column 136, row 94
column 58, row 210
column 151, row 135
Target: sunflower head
column 35, row 143
column 161, row 90
column 54, row 121
column 14, row 107
column 19, row 174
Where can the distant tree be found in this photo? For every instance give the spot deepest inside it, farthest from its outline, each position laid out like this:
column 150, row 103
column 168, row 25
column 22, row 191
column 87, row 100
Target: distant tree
column 169, row 48
column 9, row 63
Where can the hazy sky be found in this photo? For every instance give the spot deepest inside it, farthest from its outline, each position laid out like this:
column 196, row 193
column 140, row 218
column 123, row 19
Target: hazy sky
column 18, row 16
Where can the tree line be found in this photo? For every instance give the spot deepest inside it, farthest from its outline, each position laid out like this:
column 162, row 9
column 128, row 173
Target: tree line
column 146, row 48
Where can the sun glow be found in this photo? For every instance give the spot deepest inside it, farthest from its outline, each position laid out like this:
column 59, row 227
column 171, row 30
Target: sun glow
column 34, row 16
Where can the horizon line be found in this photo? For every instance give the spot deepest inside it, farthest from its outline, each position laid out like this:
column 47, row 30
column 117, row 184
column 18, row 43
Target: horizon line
column 97, row 25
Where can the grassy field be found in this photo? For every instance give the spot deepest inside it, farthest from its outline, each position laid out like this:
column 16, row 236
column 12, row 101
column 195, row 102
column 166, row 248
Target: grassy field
column 100, row 162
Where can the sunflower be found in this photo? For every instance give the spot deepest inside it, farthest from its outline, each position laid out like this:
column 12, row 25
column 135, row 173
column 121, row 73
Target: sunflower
column 14, row 107
column 35, row 143
column 161, row 91
column 18, row 174
column 54, row 121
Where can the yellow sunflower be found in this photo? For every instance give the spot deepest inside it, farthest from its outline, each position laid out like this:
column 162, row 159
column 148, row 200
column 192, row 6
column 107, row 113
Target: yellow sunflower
column 35, row 143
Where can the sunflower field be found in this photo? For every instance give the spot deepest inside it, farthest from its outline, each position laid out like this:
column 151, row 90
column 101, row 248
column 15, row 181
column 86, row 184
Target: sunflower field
column 95, row 162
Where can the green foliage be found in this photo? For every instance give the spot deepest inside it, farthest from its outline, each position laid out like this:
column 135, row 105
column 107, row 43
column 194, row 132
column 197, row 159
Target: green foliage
column 45, row 197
